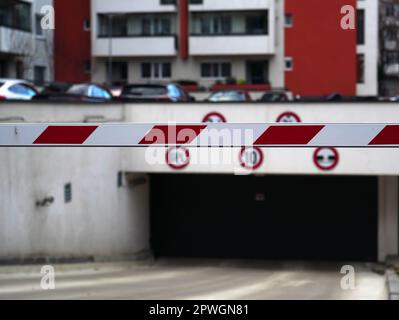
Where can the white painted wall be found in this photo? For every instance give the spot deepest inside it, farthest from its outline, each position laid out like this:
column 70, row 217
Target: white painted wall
column 277, row 61
column 388, row 217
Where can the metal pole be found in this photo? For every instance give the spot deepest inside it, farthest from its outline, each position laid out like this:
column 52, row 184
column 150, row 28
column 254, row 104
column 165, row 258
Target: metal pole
column 110, row 35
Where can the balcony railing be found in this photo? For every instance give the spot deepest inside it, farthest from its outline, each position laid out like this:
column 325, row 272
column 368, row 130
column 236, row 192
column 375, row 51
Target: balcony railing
column 14, row 41
column 231, row 44
column 136, row 46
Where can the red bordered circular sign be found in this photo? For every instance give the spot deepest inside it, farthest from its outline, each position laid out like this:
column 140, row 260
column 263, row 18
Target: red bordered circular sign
column 214, row 117
column 289, row 117
column 326, row 159
column 177, row 158
column 251, row 157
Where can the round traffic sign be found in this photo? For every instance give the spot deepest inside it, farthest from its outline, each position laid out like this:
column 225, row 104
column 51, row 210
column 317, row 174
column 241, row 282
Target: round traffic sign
column 288, row 117
column 177, row 158
column 251, row 157
column 326, row 159
column 214, row 117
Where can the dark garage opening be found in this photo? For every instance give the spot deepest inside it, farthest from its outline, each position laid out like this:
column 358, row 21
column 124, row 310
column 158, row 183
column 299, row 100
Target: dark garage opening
column 269, row 217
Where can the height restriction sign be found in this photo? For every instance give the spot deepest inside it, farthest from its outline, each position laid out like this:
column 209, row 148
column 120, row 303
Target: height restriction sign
column 326, row 159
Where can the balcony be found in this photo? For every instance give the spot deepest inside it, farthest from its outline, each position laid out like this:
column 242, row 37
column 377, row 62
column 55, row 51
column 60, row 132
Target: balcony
column 214, row 45
column 136, row 46
column 123, row 6
column 391, row 70
column 13, row 41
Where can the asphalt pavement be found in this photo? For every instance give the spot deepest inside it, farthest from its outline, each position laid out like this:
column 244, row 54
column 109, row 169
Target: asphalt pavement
column 194, row 279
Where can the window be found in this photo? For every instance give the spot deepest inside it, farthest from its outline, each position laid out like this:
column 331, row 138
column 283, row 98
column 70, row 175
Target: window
column 68, row 193
column 156, row 26
column 87, row 66
column 97, row 92
column 167, row 70
column 16, row 14
column 39, row 75
column 360, row 68
column 288, row 21
column 257, row 24
column 38, row 25
column 113, row 25
column 3, row 69
column 146, row 26
column 118, row 74
column 146, row 70
column 22, row 89
column 196, row 1
column 19, row 69
column 134, row 25
column 78, row 89
column 216, row 70
column 86, row 25
column 215, row 24
column 391, row 33
column 156, row 70
column 391, row 57
column 360, row 26
column 389, row 10
column 289, row 64
column 168, row 2
column 164, row 26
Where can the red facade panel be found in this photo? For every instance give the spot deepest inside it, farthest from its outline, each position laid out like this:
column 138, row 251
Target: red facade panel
column 184, row 22
column 324, row 54
column 72, row 43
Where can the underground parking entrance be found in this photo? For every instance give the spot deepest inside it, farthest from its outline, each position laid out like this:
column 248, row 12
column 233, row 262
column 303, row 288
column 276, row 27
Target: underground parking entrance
column 320, row 218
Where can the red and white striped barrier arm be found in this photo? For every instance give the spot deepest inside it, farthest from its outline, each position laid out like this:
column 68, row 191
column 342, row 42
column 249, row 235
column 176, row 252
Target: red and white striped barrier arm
column 200, row 135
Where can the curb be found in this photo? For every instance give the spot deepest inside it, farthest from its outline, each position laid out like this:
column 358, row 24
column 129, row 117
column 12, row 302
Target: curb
column 392, row 283
column 144, row 255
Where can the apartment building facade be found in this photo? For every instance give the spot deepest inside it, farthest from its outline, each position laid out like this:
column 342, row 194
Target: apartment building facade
column 26, row 49
column 205, row 41
column 389, row 44
column 253, row 44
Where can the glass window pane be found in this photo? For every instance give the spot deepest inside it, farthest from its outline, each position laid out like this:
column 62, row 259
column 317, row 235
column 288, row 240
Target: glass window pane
column 165, row 26
column 226, row 25
column 156, row 70
column 205, row 70
column 226, row 70
column 146, row 70
column 166, row 72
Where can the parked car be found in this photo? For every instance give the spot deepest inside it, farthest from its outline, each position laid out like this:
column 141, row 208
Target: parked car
column 229, row 96
column 84, row 92
column 276, row 96
column 56, row 87
column 14, row 89
column 154, row 92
